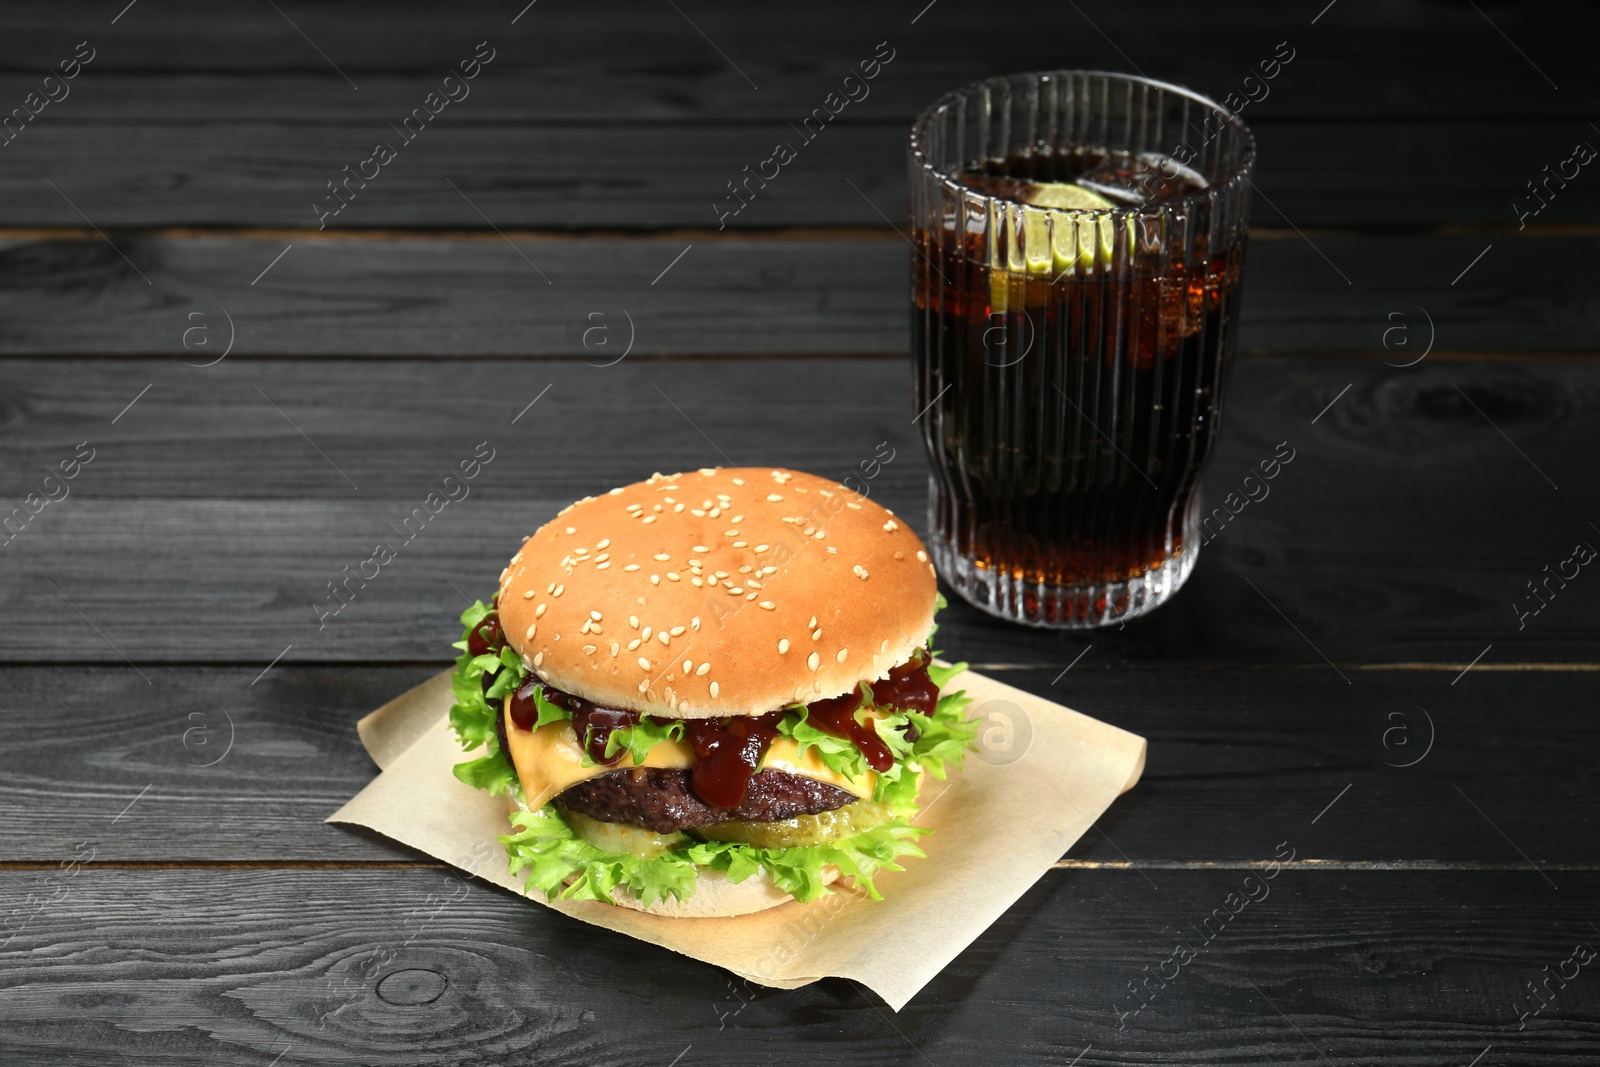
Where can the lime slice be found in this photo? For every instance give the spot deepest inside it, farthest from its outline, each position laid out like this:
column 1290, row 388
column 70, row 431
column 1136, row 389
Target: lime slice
column 1054, row 246
column 1066, row 196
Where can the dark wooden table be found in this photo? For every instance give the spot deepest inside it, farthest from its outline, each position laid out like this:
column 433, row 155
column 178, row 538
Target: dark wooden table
column 247, row 402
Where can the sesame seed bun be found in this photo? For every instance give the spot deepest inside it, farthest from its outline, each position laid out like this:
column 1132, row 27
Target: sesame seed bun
column 771, row 586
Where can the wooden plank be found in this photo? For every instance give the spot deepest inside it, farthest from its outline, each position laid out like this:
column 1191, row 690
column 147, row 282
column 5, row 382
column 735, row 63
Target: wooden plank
column 466, row 296
column 239, row 967
column 217, row 510
column 1401, row 768
column 632, row 177
column 645, row 61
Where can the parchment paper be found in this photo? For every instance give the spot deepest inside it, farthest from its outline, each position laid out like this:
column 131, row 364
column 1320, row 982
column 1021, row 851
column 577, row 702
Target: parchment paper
column 1045, row 774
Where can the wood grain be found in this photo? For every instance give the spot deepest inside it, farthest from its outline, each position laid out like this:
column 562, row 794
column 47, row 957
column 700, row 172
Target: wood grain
column 1400, row 768
column 510, row 175
column 207, row 528
column 439, row 298
column 562, row 61
column 413, row 967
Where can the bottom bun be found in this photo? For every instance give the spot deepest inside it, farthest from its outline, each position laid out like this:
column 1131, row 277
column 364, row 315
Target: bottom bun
column 716, row 897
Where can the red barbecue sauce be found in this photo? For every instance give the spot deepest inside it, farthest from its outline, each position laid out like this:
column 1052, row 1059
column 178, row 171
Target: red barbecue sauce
column 908, row 687
column 728, row 751
column 837, row 716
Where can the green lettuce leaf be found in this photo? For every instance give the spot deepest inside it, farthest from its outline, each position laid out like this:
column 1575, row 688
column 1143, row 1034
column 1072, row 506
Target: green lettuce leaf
column 552, row 853
column 639, row 739
column 474, row 713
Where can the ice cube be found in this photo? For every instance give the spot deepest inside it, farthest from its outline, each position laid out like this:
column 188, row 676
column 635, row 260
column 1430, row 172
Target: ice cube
column 1134, row 181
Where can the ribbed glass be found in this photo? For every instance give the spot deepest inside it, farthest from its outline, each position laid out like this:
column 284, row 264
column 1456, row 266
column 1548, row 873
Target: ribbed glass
column 1071, row 365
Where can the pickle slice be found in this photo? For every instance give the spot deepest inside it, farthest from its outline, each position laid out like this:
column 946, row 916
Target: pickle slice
column 822, row 828
column 619, row 839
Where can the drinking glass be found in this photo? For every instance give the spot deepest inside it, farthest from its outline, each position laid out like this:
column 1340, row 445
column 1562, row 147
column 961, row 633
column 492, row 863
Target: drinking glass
column 1078, row 239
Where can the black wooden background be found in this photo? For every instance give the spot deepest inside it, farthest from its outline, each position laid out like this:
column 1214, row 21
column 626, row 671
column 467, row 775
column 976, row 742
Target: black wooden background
column 1356, row 670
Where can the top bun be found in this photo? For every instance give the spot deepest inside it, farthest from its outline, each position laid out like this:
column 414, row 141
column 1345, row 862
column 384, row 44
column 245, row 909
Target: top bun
column 718, row 592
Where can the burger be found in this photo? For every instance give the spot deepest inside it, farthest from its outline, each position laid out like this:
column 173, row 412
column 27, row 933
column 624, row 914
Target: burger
column 710, row 693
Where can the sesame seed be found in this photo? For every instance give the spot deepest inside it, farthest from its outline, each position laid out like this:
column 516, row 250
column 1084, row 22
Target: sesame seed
column 632, row 645
column 816, row 635
column 696, row 581
column 665, row 637
column 736, row 590
column 604, row 544
column 528, row 595
column 741, row 544
column 644, row 685
column 551, row 588
column 648, row 519
column 594, row 628
column 899, row 555
column 700, row 548
column 832, row 551
column 661, row 557
column 813, row 661
column 572, row 529
column 708, row 471
column 704, row 668
column 657, row 507
column 633, row 621
column 854, row 507
column 532, row 630
column 602, row 566
column 644, row 664
column 697, row 513
column 751, row 596
column 859, row 571
column 538, row 612
column 922, row 557
column 752, row 583
column 676, row 631
column 769, row 605
column 813, row 621
column 596, row 616
column 631, row 567
column 602, row 557
column 783, row 645
column 655, row 579
column 538, row 659
column 588, row 650
column 672, row 576
column 559, row 590
column 774, row 497
column 615, row 648
column 820, row 534
column 677, row 508
column 737, row 518
column 738, row 481
column 646, row 634
column 843, row 652
column 688, row 665
column 713, row 688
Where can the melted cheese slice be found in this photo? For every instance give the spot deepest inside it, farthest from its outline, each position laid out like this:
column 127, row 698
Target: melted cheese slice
column 549, row 760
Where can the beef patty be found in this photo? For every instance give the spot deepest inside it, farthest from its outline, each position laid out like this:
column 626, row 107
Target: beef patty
column 661, row 799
